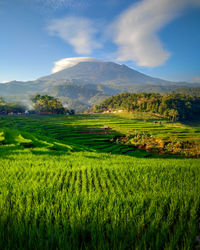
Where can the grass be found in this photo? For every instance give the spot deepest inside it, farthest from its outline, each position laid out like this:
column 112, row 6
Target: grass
column 65, row 185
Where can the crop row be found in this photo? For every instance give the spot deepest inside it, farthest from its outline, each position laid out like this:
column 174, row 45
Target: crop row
column 71, row 206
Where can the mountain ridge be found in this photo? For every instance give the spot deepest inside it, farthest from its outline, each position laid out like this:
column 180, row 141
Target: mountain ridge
column 88, row 83
column 110, row 70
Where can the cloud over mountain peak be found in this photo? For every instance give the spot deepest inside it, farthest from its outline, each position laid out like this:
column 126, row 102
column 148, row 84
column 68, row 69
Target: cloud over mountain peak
column 70, row 62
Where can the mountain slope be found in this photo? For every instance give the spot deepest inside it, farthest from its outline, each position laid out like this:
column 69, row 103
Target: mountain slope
column 103, row 72
column 88, row 83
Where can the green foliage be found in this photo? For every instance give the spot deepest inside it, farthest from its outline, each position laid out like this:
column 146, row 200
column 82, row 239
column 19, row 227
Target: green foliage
column 1, row 100
column 51, row 202
column 6, row 108
column 49, row 104
column 70, row 112
column 194, row 91
column 172, row 106
column 154, row 144
column 68, row 192
column 2, row 137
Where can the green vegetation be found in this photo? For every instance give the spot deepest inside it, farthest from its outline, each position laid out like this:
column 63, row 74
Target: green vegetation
column 172, row 106
column 65, row 183
column 6, row 107
column 152, row 133
column 42, row 104
column 187, row 91
column 49, row 104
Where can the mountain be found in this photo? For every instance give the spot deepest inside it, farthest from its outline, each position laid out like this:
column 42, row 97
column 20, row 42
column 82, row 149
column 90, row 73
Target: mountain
column 88, row 83
column 104, row 72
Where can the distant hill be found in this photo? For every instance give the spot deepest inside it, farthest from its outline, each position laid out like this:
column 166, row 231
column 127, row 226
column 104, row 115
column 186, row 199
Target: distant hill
column 188, row 91
column 88, row 83
column 170, row 106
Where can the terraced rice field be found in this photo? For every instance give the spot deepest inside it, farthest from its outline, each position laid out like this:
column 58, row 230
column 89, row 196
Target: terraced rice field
column 86, row 131
column 65, row 185
column 163, row 128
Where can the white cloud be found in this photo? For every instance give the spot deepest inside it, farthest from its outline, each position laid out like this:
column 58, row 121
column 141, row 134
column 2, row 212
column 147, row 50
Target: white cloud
column 70, row 62
column 136, row 30
column 77, row 31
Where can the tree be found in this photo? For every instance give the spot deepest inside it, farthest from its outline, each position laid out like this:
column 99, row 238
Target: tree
column 6, row 107
column 171, row 106
column 45, row 103
column 173, row 115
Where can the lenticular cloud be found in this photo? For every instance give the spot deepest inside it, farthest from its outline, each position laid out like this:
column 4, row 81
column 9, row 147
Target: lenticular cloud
column 70, row 62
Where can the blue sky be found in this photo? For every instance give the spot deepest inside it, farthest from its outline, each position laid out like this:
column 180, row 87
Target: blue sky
column 157, row 37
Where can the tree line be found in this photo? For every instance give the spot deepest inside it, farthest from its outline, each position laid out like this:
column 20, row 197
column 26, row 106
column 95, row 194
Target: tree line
column 195, row 91
column 40, row 104
column 9, row 107
column 171, row 106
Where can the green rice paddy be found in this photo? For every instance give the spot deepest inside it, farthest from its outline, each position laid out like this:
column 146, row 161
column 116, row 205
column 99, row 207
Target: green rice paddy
column 64, row 184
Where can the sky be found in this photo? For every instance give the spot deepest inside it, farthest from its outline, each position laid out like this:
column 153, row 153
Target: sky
column 160, row 38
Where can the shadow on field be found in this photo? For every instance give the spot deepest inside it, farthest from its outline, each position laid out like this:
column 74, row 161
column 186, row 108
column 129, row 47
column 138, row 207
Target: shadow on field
column 193, row 123
column 44, row 234
column 80, row 229
column 53, row 137
column 10, row 152
column 92, row 157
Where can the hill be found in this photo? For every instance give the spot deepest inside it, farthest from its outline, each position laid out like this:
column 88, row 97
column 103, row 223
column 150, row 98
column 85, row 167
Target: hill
column 170, row 106
column 88, row 83
column 187, row 91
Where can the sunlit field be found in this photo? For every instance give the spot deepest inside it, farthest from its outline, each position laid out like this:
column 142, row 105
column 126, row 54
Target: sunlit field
column 66, row 184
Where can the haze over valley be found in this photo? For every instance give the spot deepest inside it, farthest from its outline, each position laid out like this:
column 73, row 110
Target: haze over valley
column 83, row 82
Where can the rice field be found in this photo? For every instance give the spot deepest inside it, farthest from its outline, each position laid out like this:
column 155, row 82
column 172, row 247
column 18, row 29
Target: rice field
column 65, row 185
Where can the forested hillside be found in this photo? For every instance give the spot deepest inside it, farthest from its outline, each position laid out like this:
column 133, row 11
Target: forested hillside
column 187, row 91
column 88, row 83
column 172, row 106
